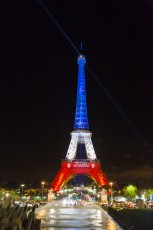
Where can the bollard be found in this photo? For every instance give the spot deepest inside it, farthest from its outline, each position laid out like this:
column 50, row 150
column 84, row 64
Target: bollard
column 16, row 218
column 24, row 217
column 31, row 219
column 16, row 224
column 4, row 223
column 36, row 225
column 3, row 213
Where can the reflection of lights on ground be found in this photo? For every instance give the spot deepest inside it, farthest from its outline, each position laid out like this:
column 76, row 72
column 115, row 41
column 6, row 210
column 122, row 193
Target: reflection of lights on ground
column 52, row 214
column 111, row 225
column 52, row 222
column 67, row 201
column 52, row 210
column 41, row 214
column 98, row 212
column 82, row 217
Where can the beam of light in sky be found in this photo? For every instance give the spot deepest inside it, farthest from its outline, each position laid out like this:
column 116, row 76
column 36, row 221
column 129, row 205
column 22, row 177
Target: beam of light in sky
column 129, row 122
column 57, row 24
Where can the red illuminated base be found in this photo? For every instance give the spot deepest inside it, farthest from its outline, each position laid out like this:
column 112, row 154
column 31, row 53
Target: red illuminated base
column 69, row 169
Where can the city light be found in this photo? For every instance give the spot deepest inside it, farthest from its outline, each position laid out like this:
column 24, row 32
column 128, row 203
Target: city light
column 22, row 186
column 42, row 184
column 111, row 184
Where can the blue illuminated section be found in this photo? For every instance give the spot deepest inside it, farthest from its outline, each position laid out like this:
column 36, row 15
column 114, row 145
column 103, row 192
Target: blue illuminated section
column 81, row 117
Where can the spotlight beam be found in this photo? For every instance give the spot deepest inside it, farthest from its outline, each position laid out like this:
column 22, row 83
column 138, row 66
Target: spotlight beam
column 116, row 105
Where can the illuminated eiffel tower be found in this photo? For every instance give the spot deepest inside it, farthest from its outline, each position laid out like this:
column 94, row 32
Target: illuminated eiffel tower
column 72, row 165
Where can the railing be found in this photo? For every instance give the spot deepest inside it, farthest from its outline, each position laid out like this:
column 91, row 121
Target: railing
column 82, row 160
column 17, row 218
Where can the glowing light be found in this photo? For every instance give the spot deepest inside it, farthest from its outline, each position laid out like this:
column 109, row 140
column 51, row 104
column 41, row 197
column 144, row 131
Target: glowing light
column 42, row 183
column 69, row 165
column 111, row 184
column 81, row 117
column 7, row 195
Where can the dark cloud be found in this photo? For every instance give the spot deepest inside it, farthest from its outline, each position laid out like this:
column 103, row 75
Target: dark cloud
column 144, row 172
column 127, row 155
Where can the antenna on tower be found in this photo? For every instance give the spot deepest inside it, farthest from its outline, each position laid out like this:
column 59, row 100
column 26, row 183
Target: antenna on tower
column 81, row 46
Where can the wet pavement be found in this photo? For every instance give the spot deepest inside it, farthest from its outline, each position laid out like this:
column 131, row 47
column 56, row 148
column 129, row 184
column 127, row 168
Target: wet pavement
column 55, row 215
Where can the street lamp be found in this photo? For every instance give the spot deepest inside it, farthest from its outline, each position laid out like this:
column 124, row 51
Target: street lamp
column 98, row 197
column 7, row 195
column 42, row 184
column 111, row 184
column 22, row 185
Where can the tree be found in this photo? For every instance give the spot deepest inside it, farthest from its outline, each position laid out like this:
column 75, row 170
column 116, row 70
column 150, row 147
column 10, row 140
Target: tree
column 1, row 194
column 147, row 193
column 130, row 191
column 14, row 195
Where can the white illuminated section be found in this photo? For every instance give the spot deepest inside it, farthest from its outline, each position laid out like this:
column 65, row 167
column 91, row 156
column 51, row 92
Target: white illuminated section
column 72, row 147
column 89, row 146
column 84, row 138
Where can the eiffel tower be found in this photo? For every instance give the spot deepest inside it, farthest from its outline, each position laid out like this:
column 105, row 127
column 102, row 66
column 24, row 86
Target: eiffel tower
column 89, row 166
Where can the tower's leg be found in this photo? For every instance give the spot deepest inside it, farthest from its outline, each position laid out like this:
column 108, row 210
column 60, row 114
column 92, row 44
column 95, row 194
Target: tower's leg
column 81, row 137
column 71, row 153
column 89, row 146
column 61, row 177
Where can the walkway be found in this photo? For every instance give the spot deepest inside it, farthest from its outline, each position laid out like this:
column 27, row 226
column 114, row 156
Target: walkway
column 54, row 216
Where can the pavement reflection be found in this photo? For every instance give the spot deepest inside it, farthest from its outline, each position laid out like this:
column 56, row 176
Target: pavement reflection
column 56, row 216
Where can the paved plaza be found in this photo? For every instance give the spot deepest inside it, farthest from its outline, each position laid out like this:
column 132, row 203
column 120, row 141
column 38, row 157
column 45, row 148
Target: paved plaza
column 55, row 215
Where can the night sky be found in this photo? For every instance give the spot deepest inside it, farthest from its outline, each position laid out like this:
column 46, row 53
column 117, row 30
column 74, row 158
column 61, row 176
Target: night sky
column 38, row 85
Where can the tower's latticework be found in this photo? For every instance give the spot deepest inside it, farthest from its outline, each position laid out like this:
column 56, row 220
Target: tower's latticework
column 71, row 166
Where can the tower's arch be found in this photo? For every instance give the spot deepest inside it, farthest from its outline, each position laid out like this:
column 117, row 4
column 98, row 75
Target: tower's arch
column 73, row 176
column 88, row 168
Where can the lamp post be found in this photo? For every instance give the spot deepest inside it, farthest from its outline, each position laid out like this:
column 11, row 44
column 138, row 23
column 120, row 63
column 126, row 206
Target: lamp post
column 42, row 190
column 111, row 184
column 98, row 196
column 22, row 185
